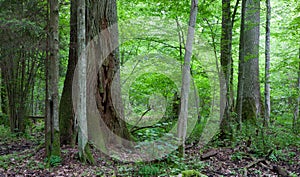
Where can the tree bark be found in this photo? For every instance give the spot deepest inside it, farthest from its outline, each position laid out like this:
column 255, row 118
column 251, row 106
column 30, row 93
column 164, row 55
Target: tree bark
column 296, row 113
column 183, row 115
column 81, row 106
column 251, row 97
column 267, row 66
column 66, row 110
column 52, row 127
column 101, row 17
column 226, row 64
column 239, row 102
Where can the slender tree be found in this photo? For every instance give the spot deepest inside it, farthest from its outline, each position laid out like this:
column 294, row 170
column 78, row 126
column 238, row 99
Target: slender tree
column 296, row 112
column 241, row 67
column 52, row 118
column 267, row 66
column 183, row 115
column 226, row 64
column 81, row 114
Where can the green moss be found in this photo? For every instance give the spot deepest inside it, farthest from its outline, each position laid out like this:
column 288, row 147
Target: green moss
column 48, row 144
column 54, row 148
column 87, row 156
column 56, row 144
column 66, row 117
column 192, row 173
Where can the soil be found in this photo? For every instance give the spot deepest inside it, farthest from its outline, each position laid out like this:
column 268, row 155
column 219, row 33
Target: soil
column 238, row 161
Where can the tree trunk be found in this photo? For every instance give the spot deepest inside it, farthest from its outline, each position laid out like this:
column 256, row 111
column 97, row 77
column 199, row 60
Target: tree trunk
column 66, row 110
column 239, row 104
column 4, row 106
column 81, row 106
column 226, row 64
column 251, row 97
column 296, row 113
column 104, row 15
column 52, row 127
column 233, row 17
column 183, row 115
column 267, row 66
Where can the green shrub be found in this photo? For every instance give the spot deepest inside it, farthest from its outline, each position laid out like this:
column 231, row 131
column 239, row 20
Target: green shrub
column 149, row 170
column 54, row 161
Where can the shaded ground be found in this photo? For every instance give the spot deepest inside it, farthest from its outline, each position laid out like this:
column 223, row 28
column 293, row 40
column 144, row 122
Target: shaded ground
column 22, row 158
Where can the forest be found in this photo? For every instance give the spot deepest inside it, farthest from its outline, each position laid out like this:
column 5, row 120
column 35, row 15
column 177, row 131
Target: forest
column 198, row 88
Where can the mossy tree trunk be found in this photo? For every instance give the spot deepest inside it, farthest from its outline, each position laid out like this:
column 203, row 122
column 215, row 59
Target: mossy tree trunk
column 296, row 112
column 52, row 118
column 226, row 64
column 81, row 105
column 250, row 96
column 241, row 70
column 66, row 109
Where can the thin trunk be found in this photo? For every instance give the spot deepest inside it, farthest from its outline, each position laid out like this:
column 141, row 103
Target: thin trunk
column 1, row 90
column 239, row 103
column 296, row 113
column 232, row 68
column 267, row 66
column 52, row 134
column 183, row 115
column 4, row 106
column 213, row 38
column 226, row 64
column 81, row 114
column 47, row 110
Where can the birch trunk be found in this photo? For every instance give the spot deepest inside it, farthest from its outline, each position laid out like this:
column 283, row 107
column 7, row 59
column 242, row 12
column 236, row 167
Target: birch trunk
column 183, row 115
column 296, row 113
column 267, row 66
column 82, row 63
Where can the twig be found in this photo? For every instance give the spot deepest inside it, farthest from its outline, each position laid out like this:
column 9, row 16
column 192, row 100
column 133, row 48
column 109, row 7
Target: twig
column 131, row 130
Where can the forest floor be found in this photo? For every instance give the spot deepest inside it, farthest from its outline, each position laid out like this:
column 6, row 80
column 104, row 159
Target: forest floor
column 23, row 157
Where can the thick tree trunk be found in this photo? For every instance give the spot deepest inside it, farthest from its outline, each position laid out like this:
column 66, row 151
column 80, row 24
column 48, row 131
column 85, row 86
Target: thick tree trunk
column 104, row 15
column 226, row 64
column 66, row 110
column 251, row 97
column 267, row 66
column 183, row 115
